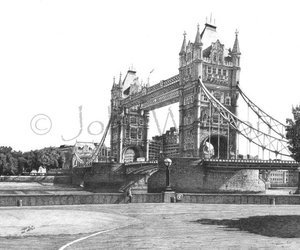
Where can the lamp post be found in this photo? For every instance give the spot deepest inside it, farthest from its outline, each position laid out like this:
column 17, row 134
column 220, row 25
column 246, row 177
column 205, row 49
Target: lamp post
column 168, row 162
column 298, row 188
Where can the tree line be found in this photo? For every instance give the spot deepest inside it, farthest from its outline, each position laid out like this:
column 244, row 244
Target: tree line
column 16, row 162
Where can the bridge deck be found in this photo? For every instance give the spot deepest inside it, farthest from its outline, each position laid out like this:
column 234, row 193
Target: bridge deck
column 221, row 163
column 250, row 164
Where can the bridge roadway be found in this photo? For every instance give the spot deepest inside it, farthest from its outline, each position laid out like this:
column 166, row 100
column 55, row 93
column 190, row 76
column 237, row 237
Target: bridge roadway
column 250, row 164
column 226, row 164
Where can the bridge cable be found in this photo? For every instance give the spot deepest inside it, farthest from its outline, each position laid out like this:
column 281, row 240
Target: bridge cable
column 234, row 122
column 98, row 148
column 273, row 123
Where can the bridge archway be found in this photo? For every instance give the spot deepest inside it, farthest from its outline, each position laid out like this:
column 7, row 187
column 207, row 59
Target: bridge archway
column 131, row 153
column 214, row 146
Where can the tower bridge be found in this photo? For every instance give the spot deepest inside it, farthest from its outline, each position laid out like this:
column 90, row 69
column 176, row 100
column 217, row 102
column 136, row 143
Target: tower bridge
column 204, row 60
column 206, row 88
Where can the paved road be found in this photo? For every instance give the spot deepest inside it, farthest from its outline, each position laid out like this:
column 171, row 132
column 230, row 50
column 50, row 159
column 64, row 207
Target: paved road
column 167, row 226
column 17, row 188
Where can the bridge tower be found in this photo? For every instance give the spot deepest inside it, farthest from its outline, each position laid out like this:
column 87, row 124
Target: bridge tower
column 129, row 128
column 202, row 132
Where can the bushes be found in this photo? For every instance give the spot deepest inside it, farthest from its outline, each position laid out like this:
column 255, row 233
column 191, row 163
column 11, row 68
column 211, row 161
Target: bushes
column 15, row 162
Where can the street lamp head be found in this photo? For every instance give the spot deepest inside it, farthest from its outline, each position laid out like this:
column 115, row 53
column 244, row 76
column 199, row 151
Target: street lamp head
column 167, row 162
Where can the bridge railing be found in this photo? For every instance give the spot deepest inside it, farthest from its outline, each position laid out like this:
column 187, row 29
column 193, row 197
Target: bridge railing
column 253, row 161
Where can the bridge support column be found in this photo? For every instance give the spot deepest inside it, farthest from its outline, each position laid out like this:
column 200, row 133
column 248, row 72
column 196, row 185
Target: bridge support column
column 120, row 152
column 146, row 138
column 197, row 139
column 169, row 196
column 298, row 188
column 147, row 151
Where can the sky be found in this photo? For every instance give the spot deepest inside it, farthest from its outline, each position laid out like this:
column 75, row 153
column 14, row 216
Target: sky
column 58, row 59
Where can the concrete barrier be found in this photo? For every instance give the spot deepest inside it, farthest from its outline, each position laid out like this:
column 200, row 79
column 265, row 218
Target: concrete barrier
column 241, row 199
column 76, row 199
column 119, row 198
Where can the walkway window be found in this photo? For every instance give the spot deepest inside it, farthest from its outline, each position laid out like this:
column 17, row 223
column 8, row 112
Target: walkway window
column 139, row 134
column 133, row 120
column 127, row 133
column 133, row 133
column 228, row 101
column 204, row 97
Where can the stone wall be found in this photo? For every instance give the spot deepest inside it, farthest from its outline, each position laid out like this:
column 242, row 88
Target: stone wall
column 76, row 199
column 187, row 175
column 120, row 198
column 241, row 199
column 109, row 177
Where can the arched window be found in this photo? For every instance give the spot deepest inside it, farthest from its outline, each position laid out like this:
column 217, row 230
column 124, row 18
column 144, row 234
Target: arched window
column 204, row 117
column 127, row 132
column 228, row 101
column 140, row 134
column 204, row 97
column 133, row 120
column 133, row 133
column 217, row 95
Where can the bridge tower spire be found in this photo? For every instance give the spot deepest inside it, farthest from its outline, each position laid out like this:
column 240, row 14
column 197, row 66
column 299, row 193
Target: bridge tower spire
column 120, row 80
column 198, row 41
column 183, row 46
column 182, row 53
column 236, row 53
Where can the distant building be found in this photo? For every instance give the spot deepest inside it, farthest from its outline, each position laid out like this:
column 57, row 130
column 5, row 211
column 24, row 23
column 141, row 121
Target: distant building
column 283, row 178
column 104, row 154
column 80, row 153
column 67, row 154
column 155, row 147
column 167, row 144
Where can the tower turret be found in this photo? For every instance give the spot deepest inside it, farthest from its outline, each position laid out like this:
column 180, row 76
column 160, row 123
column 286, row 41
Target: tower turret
column 198, row 41
column 120, row 80
column 114, row 84
column 182, row 52
column 116, row 93
column 236, row 53
column 197, row 53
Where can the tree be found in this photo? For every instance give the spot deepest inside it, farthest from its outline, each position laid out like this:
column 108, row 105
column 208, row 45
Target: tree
column 293, row 133
column 9, row 161
column 15, row 162
column 49, row 157
column 31, row 160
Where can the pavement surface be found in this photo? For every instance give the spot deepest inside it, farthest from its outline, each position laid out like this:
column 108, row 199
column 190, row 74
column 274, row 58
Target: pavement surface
column 17, row 188
column 34, row 222
column 150, row 226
